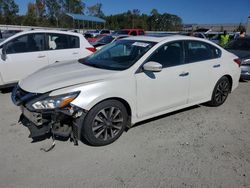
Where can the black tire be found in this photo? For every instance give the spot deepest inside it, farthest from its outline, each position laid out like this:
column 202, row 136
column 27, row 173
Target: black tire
column 220, row 93
column 104, row 123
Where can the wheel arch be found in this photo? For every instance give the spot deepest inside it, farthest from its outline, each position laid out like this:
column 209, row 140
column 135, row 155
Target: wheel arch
column 124, row 102
column 230, row 80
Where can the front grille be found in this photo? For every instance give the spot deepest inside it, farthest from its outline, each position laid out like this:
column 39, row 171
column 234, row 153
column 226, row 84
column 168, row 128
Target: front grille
column 20, row 96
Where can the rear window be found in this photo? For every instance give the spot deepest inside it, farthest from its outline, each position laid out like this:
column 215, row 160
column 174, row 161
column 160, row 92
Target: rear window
column 239, row 44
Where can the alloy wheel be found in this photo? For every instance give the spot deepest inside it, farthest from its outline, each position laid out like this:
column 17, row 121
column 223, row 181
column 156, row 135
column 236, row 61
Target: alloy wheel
column 222, row 91
column 107, row 123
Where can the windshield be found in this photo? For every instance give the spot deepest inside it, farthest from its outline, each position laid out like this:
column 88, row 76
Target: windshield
column 239, row 44
column 106, row 40
column 119, row 55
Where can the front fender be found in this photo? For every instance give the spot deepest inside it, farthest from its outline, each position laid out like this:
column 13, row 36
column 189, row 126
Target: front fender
column 93, row 93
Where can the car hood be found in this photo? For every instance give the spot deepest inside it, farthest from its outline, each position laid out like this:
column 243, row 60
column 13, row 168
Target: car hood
column 62, row 75
column 242, row 54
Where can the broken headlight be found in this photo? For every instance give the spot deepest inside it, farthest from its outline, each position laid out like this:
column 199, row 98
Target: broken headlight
column 52, row 102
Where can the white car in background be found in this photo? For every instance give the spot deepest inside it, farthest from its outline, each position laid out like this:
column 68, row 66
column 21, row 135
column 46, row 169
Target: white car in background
column 26, row 52
column 130, row 80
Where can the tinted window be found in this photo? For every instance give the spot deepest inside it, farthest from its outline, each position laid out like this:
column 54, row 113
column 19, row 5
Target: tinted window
column 122, row 32
column 106, row 40
column 216, row 51
column 133, row 33
column 168, row 55
column 141, row 33
column 239, row 44
column 198, row 51
column 26, row 43
column 74, row 41
column 61, row 41
column 105, row 32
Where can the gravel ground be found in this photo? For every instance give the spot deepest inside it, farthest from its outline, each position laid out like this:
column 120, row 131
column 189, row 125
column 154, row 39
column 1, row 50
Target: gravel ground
column 197, row 147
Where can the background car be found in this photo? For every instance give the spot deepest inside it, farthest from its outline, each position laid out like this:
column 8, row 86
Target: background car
column 94, row 33
column 241, row 48
column 8, row 33
column 107, row 39
column 130, row 80
column 26, row 52
column 133, row 32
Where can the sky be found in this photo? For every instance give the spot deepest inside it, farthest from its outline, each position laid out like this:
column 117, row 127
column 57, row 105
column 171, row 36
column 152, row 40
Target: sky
column 191, row 11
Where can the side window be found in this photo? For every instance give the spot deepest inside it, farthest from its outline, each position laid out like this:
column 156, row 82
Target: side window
column 198, row 51
column 26, row 43
column 141, row 33
column 37, row 42
column 216, row 52
column 168, row 55
column 17, row 45
column 133, row 33
column 62, row 41
column 105, row 32
column 74, row 42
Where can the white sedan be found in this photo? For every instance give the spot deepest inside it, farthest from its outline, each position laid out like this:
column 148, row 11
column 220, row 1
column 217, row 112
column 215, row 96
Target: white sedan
column 128, row 81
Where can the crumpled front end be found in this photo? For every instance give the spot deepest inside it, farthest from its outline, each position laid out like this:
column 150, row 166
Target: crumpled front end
column 59, row 122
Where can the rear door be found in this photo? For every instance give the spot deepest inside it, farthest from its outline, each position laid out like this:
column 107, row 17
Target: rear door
column 25, row 55
column 205, row 69
column 62, row 47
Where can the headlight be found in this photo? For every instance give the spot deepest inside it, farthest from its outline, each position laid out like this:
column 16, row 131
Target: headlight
column 59, row 101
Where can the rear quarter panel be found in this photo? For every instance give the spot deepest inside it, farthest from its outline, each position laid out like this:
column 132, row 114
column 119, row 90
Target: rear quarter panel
column 232, row 68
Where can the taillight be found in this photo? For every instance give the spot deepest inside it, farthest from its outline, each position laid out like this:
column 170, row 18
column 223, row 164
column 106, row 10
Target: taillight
column 237, row 61
column 92, row 49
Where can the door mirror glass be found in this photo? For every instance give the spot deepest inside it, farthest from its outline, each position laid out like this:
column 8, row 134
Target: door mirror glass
column 152, row 66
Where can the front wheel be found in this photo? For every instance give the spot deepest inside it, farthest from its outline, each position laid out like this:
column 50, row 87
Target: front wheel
column 105, row 123
column 221, row 91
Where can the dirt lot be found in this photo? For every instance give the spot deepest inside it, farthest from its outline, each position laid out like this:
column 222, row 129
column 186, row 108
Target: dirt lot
column 197, row 147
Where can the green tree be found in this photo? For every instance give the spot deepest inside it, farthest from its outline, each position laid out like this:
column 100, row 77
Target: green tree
column 53, row 11
column 9, row 11
column 40, row 8
column 30, row 18
column 95, row 10
column 73, row 6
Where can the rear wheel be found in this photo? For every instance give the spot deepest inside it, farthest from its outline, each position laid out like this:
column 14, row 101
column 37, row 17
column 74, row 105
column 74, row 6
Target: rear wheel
column 221, row 91
column 105, row 123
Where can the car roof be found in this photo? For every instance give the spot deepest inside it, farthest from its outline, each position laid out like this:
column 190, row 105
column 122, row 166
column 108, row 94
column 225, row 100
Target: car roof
column 161, row 39
column 47, row 31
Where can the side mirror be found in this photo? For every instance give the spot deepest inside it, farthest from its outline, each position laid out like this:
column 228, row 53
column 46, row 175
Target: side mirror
column 3, row 53
column 152, row 66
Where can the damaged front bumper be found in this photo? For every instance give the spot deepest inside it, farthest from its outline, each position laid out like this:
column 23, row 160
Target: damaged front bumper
column 59, row 122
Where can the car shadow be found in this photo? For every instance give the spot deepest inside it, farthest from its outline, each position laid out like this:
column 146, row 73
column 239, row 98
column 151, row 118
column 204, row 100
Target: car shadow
column 165, row 115
column 6, row 90
column 243, row 81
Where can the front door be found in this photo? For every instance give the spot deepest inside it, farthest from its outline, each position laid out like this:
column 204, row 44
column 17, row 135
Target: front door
column 168, row 89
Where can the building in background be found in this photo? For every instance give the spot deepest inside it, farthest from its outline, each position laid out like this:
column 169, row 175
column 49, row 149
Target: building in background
column 230, row 27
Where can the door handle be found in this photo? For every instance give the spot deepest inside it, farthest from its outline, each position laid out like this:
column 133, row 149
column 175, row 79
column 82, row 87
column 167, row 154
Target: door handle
column 184, row 74
column 75, row 53
column 216, row 66
column 41, row 56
